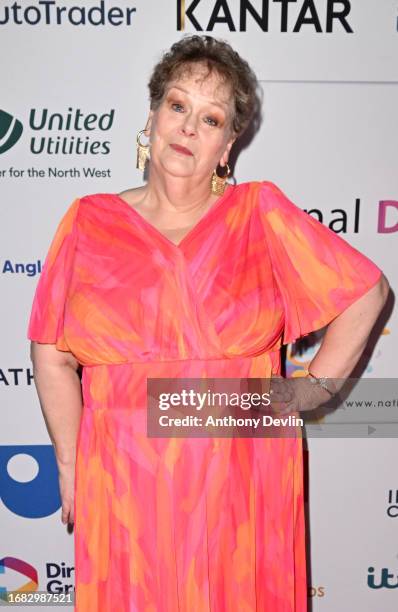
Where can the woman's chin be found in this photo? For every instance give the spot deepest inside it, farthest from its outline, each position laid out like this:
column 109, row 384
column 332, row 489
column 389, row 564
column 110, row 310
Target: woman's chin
column 178, row 167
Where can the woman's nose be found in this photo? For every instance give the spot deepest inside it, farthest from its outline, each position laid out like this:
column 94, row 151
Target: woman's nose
column 189, row 125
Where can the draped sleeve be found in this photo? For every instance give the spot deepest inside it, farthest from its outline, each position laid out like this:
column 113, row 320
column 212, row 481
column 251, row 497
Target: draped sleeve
column 317, row 272
column 47, row 313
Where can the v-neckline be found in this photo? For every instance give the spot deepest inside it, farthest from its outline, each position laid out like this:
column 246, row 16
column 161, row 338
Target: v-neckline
column 194, row 228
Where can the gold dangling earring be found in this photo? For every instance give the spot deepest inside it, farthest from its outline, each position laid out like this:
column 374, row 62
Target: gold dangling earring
column 142, row 152
column 218, row 182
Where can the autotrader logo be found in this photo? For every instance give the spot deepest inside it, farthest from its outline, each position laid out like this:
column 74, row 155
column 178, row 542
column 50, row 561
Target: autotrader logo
column 52, row 12
column 10, row 131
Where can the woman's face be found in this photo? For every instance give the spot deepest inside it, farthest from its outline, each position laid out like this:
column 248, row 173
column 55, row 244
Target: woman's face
column 191, row 130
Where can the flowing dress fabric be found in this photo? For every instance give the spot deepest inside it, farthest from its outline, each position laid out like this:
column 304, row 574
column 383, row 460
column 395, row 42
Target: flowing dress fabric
column 188, row 524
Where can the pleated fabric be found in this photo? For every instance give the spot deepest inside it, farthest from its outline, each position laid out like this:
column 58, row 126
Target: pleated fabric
column 188, row 524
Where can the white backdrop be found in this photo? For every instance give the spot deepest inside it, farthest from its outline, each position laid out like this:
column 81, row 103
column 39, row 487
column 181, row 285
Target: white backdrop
column 327, row 139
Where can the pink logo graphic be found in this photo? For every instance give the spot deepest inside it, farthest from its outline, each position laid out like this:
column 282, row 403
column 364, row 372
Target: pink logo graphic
column 23, row 568
column 382, row 227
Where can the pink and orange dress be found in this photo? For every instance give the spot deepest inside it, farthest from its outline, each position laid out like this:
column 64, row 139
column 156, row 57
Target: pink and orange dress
column 188, row 524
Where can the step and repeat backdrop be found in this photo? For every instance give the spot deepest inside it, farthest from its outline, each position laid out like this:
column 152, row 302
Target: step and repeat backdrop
column 73, row 97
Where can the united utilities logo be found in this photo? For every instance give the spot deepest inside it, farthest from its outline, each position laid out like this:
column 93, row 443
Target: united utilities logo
column 10, row 131
column 319, row 16
column 59, row 133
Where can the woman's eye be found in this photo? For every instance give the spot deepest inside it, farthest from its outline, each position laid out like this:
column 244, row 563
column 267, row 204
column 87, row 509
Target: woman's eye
column 177, row 107
column 211, row 121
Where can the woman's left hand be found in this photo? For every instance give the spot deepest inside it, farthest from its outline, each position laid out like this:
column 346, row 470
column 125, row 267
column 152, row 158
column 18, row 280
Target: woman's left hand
column 296, row 394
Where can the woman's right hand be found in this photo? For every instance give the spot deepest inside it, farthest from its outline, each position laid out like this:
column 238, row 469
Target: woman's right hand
column 66, row 477
column 297, row 394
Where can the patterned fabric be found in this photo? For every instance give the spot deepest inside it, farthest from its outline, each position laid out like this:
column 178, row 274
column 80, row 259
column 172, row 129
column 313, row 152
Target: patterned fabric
column 188, row 524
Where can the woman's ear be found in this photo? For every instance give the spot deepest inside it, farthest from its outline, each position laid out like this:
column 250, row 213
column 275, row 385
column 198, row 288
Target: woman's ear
column 149, row 123
column 225, row 155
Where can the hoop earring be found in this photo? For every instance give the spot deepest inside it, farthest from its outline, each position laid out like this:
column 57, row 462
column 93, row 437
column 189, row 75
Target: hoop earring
column 142, row 152
column 218, row 182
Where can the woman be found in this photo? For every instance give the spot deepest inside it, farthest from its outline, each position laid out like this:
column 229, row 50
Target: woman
column 177, row 279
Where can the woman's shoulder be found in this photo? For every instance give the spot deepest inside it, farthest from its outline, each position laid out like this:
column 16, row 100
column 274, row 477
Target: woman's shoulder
column 105, row 199
column 263, row 192
column 272, row 196
column 261, row 185
column 132, row 195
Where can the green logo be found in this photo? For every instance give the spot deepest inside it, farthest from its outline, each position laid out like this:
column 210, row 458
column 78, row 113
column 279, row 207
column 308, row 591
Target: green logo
column 10, row 131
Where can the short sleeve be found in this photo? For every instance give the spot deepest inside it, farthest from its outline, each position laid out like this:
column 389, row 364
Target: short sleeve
column 317, row 272
column 47, row 313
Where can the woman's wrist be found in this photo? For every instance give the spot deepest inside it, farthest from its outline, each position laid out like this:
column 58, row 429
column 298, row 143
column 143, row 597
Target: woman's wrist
column 328, row 384
column 66, row 458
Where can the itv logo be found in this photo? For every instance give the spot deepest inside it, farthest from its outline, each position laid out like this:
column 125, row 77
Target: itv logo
column 385, row 579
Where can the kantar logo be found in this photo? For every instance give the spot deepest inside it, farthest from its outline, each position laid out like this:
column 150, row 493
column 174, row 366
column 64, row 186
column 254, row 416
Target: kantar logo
column 10, row 131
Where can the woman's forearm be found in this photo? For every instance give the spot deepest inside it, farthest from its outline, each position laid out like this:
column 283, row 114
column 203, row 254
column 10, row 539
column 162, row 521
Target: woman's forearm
column 59, row 390
column 347, row 335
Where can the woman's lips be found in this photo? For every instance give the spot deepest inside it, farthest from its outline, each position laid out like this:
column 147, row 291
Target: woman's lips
column 181, row 149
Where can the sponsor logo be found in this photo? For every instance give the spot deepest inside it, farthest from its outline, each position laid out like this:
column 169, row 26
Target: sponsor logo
column 57, row 574
column 58, row 133
column 59, row 579
column 314, row 591
column 386, row 207
column 30, row 269
column 38, row 497
column 392, row 503
column 341, row 221
column 319, row 16
column 26, row 571
column 14, row 377
column 383, row 579
column 10, row 131
column 53, row 13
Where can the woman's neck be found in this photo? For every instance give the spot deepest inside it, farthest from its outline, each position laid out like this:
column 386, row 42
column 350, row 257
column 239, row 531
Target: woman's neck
column 169, row 194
